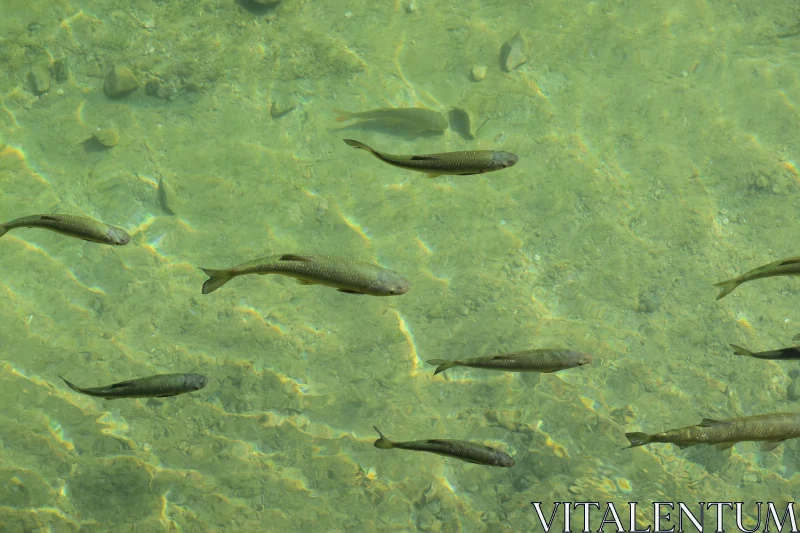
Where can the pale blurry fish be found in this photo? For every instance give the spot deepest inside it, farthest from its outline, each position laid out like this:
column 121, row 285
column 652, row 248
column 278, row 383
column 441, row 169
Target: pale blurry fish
column 412, row 118
column 159, row 386
column 786, row 354
column 470, row 452
column 77, row 226
column 347, row 275
column 770, row 429
column 784, row 267
column 447, row 163
column 544, row 361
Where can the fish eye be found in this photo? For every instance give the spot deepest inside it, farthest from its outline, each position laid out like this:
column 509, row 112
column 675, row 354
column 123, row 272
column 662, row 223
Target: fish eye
column 390, row 292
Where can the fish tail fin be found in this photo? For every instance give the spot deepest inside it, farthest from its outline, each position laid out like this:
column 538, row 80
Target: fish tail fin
column 444, row 364
column 70, row 385
column 726, row 287
column 3, row 230
column 358, row 144
column 738, row 350
column 382, row 442
column 343, row 115
column 216, row 279
column 637, row 439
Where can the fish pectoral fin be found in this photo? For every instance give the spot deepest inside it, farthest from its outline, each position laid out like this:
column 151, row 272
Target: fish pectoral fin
column 293, row 257
column 709, row 422
column 167, row 395
column 770, row 445
column 724, row 445
column 431, row 175
column 348, row 291
column 305, row 282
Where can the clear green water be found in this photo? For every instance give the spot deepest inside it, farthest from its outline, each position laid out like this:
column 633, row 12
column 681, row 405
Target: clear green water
column 658, row 146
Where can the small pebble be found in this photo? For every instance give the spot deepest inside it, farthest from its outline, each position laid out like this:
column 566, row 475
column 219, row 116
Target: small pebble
column 478, row 72
column 793, row 392
column 108, row 137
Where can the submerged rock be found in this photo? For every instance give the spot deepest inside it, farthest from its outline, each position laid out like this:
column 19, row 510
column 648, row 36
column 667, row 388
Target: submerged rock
column 120, row 82
column 514, row 53
column 39, row 78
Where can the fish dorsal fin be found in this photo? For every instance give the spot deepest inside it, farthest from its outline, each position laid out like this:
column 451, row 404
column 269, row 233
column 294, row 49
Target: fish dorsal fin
column 48, row 217
column 710, row 422
column 770, row 445
column 724, row 445
column 684, row 445
column 424, row 158
column 790, row 261
column 293, row 257
column 119, row 385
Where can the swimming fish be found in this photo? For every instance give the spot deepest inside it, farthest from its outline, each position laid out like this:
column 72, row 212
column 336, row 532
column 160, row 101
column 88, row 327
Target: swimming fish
column 770, row 429
column 786, row 354
column 347, row 275
column 544, row 361
column 413, row 118
column 470, row 452
column 158, row 386
column 447, row 163
column 80, row 227
column 784, row 267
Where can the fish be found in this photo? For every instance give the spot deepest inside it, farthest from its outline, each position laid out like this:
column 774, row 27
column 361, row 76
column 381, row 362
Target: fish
column 783, row 267
column 786, row 354
column 470, row 452
column 544, row 361
column 769, row 429
column 446, row 164
column 413, row 118
column 158, row 386
column 76, row 226
column 346, row 275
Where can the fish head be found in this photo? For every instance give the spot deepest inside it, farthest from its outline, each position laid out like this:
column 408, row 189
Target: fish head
column 195, row 381
column 391, row 283
column 583, row 359
column 503, row 459
column 503, row 160
column 118, row 236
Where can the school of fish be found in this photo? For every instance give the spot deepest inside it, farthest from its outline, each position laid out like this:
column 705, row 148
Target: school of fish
column 357, row 277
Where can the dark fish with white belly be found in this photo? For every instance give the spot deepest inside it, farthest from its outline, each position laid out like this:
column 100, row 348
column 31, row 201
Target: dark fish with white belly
column 413, row 118
column 470, row 452
column 447, row 163
column 784, row 267
column 158, row 386
column 347, row 275
column 80, row 227
column 786, row 354
column 769, row 429
column 544, row 361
